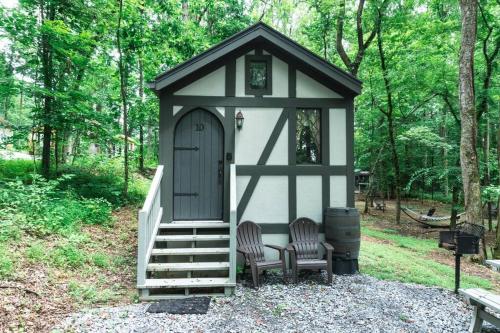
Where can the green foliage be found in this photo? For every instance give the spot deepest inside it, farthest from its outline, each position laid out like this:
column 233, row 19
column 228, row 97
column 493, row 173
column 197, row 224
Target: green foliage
column 41, row 208
column 88, row 294
column 100, row 260
column 37, row 252
column 69, row 255
column 491, row 193
column 17, row 169
column 6, row 263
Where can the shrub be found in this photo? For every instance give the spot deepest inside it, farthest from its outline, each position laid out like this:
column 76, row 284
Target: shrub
column 6, row 264
column 68, row 255
column 88, row 294
column 100, row 260
column 36, row 252
column 17, row 169
column 42, row 208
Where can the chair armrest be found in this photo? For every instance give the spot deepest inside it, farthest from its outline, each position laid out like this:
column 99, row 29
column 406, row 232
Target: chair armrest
column 290, row 247
column 248, row 255
column 275, row 247
column 278, row 248
column 328, row 247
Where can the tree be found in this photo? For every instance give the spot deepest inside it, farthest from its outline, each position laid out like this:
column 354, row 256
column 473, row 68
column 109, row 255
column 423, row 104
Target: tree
column 123, row 95
column 468, row 116
column 353, row 64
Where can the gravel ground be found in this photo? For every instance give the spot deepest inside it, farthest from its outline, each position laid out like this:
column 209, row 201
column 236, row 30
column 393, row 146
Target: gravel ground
column 352, row 304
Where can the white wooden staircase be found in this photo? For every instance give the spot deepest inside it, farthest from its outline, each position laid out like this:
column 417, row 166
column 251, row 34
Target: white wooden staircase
column 184, row 258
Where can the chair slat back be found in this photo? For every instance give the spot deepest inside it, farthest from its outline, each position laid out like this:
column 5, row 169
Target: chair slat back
column 305, row 235
column 249, row 238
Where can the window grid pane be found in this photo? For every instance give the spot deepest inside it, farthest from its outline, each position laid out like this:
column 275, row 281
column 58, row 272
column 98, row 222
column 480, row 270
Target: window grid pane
column 258, row 75
column 308, row 150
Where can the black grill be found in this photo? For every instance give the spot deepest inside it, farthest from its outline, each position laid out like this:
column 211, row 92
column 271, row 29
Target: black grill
column 465, row 239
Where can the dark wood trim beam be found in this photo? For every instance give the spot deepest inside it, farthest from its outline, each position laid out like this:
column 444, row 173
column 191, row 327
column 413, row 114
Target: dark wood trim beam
column 285, row 170
column 266, row 102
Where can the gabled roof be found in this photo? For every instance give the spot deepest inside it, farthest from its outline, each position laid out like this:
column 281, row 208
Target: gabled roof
column 257, row 31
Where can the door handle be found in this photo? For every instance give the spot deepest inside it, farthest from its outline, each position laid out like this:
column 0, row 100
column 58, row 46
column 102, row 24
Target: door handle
column 221, row 170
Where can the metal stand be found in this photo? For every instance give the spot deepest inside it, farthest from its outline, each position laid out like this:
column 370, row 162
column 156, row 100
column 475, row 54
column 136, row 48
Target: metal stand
column 457, row 272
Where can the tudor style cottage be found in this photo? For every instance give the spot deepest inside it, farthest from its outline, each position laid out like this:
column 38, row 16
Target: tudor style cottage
column 255, row 128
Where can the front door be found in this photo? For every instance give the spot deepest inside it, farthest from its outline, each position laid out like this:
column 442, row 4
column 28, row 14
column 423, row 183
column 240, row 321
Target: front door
column 198, row 167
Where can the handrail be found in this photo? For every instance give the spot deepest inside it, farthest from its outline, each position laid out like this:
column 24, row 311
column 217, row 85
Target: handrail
column 232, row 223
column 152, row 189
column 149, row 220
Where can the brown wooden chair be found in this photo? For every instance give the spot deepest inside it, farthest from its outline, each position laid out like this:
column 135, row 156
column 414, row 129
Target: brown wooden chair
column 249, row 240
column 304, row 249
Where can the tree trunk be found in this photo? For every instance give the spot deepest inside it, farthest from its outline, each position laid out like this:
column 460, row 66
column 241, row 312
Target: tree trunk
column 123, row 94
column 46, row 54
column 141, row 118
column 454, row 203
column 391, row 128
column 468, row 152
column 496, row 250
column 487, row 172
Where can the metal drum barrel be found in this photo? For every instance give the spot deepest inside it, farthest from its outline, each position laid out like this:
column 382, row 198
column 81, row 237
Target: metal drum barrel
column 342, row 231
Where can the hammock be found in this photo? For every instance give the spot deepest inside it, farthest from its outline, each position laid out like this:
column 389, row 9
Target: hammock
column 428, row 220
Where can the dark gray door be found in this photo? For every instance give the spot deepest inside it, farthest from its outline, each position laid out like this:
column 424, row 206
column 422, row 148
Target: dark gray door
column 198, row 167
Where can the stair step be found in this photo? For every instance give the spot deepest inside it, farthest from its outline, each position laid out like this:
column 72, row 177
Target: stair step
column 189, row 251
column 190, row 238
column 197, row 221
column 194, row 225
column 188, row 266
column 187, row 283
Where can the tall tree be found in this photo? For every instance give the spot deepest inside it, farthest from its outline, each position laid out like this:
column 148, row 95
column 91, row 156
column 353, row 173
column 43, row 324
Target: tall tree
column 123, row 95
column 389, row 113
column 468, row 116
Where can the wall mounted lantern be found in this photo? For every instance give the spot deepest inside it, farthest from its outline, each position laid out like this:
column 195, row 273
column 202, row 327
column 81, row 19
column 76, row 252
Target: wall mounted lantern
column 239, row 120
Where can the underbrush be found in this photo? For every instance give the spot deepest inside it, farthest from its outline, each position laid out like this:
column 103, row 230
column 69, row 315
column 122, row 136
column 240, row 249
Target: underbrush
column 54, row 222
column 40, row 208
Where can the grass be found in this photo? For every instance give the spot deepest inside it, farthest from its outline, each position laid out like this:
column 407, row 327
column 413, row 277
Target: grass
column 409, row 259
column 419, row 245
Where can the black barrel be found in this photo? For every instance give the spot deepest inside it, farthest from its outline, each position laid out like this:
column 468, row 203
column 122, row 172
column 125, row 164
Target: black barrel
column 343, row 232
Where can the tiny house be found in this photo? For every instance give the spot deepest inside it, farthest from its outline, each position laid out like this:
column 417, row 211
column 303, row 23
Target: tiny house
column 255, row 128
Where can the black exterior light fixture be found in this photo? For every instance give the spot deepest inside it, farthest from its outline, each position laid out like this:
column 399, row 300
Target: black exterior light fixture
column 239, row 120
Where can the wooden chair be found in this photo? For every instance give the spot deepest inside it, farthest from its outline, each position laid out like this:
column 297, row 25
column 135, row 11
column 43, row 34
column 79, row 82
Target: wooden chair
column 249, row 240
column 304, row 249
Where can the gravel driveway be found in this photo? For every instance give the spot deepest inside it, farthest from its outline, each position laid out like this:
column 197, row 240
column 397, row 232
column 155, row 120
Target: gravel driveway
column 356, row 303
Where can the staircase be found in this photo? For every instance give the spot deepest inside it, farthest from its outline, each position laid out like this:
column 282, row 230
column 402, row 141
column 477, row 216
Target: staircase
column 184, row 258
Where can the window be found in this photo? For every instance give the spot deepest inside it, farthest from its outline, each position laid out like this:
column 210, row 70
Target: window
column 258, row 75
column 308, row 150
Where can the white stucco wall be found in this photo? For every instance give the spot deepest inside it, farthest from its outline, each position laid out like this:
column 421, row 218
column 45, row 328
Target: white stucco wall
column 337, row 124
column 307, row 87
column 241, row 185
column 279, row 154
column 269, row 202
column 280, row 78
column 338, row 191
column 252, row 138
column 309, row 194
column 176, row 109
column 213, row 84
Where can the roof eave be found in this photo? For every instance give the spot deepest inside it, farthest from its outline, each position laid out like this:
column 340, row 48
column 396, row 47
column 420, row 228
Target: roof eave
column 238, row 40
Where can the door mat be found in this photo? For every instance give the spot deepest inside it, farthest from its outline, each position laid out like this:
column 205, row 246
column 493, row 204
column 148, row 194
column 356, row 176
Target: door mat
column 192, row 305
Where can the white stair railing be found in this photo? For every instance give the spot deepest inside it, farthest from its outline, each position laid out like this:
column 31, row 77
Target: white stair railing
column 232, row 223
column 149, row 220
